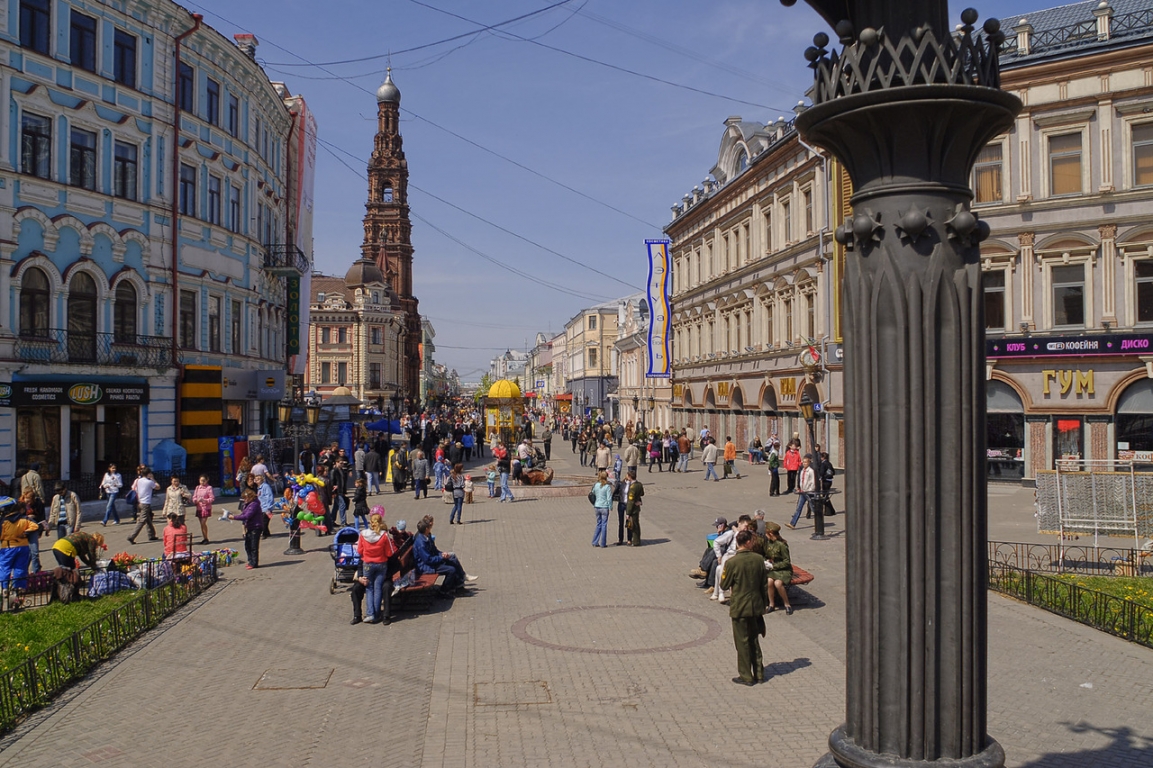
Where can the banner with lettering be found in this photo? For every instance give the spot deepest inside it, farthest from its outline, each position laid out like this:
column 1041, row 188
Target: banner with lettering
column 660, row 311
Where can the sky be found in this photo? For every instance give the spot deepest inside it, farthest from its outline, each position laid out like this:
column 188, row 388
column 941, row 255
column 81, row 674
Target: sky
column 537, row 164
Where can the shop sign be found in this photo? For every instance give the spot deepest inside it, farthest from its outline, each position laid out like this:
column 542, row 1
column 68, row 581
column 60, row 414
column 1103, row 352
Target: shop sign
column 724, row 391
column 1140, row 457
column 1070, row 346
column 788, row 388
column 1080, row 382
column 52, row 393
column 269, row 385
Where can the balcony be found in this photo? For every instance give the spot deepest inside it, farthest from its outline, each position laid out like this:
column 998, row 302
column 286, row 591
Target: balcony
column 61, row 346
column 285, row 260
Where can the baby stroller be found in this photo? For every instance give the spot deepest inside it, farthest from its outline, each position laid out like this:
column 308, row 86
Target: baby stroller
column 345, row 558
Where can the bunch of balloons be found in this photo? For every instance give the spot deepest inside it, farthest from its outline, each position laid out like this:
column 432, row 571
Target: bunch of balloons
column 303, row 502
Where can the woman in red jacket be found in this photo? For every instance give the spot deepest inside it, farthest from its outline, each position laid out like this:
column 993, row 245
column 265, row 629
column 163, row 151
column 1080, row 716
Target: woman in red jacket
column 375, row 547
column 792, row 464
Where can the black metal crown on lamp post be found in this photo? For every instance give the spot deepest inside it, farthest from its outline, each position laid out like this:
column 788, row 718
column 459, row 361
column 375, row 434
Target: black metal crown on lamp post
column 906, row 105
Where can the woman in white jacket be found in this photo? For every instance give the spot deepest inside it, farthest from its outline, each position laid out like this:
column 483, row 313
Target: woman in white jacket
column 725, row 546
column 110, row 486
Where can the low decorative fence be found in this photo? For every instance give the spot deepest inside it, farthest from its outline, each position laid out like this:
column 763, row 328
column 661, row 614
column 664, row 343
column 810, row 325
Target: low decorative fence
column 33, row 683
column 1074, row 559
column 1115, row 615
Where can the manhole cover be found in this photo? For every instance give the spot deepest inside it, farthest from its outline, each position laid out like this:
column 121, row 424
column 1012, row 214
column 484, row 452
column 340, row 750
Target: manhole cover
column 293, row 679
column 511, row 694
column 617, row 629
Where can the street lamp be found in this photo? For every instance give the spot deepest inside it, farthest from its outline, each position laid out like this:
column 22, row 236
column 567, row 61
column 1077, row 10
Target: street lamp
column 652, row 406
column 296, row 427
column 636, row 406
column 818, row 501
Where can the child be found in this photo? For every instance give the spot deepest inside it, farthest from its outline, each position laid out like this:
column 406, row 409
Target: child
column 176, row 537
column 491, row 478
column 439, row 471
column 360, row 503
column 468, row 489
column 203, row 497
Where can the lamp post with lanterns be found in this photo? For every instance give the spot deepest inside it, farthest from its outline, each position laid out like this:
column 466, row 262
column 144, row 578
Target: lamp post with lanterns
column 298, row 418
column 817, row 500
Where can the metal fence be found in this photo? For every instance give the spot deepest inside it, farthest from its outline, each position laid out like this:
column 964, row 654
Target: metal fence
column 35, row 681
column 57, row 345
column 1071, row 559
column 1115, row 615
column 1097, row 498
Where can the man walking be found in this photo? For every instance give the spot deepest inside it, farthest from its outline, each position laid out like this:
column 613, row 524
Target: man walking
column 731, row 459
column 632, row 458
column 744, row 574
column 372, row 464
column 546, row 438
column 144, row 486
column 806, row 487
column 684, row 451
column 709, row 457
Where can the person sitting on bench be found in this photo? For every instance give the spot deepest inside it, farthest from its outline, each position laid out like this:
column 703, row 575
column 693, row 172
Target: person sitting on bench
column 429, row 559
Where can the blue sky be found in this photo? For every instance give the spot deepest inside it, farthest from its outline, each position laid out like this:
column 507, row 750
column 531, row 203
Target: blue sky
column 630, row 146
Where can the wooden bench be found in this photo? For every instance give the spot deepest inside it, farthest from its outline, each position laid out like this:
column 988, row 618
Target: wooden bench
column 418, row 595
column 800, row 578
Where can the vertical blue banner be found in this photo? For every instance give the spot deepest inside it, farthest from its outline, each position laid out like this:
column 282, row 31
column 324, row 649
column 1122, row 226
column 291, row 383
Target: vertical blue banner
column 660, row 311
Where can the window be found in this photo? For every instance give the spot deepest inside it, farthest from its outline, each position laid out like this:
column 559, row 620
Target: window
column 787, row 215
column 742, row 161
column 233, row 208
column 1144, row 291
column 993, row 284
column 256, row 136
column 187, row 337
column 214, row 184
column 768, row 232
column 124, row 58
column 1068, row 295
column 124, row 171
column 34, row 23
column 326, row 373
column 341, row 336
column 34, row 303
column 810, row 314
column 36, row 145
column 82, row 49
column 124, row 314
column 770, row 311
column 788, row 320
column 1065, row 164
column 233, row 115
column 186, row 88
column 387, row 195
column 377, row 336
column 214, row 323
column 82, row 318
column 807, row 198
column 987, row 175
column 325, row 335
column 212, row 96
column 592, row 357
column 267, row 228
column 187, row 190
column 234, row 321
column 82, row 159
column 1143, row 155
column 374, row 375
column 592, row 322
column 341, row 373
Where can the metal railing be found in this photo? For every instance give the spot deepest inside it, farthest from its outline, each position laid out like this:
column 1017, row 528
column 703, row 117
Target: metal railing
column 58, row 345
column 1108, row 613
column 35, row 681
column 1134, row 24
column 285, row 259
column 1070, row 559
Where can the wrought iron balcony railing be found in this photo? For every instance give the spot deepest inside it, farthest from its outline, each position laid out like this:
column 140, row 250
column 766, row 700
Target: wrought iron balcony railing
column 285, row 259
column 57, row 345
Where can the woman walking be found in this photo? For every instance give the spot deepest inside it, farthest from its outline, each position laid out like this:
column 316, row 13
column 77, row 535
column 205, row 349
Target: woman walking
column 455, row 486
column 176, row 495
column 602, row 500
column 203, row 497
column 110, row 486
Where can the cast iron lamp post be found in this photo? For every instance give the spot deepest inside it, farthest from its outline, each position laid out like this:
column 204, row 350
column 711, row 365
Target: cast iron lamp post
column 906, row 106
column 636, row 406
column 652, row 407
column 296, row 428
column 817, row 501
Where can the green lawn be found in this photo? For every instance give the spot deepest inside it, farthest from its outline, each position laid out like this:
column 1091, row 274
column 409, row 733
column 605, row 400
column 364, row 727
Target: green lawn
column 31, row 631
column 1139, row 590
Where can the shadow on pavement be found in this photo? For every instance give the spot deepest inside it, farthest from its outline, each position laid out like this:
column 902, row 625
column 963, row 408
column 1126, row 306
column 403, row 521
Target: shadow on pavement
column 803, row 598
column 1126, row 748
column 781, row 668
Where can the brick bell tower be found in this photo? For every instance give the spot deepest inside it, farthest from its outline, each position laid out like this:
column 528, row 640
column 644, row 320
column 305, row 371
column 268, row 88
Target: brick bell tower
column 387, row 229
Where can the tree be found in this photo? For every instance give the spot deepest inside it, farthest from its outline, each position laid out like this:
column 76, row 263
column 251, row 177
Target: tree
column 485, row 384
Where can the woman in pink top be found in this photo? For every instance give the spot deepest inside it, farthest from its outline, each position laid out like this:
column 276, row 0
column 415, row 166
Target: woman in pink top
column 176, row 539
column 792, row 464
column 203, row 497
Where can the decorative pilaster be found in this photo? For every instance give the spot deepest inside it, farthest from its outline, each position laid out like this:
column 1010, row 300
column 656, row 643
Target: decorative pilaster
column 906, row 106
column 1108, row 234
column 1025, row 243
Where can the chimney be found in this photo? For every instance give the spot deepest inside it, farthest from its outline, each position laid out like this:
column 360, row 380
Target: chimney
column 1024, row 32
column 1104, row 13
column 247, row 43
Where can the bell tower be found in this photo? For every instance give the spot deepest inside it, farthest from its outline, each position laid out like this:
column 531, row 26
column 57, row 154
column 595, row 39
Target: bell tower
column 387, row 228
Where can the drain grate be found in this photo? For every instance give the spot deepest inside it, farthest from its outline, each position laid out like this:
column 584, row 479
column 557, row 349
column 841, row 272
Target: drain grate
column 506, row 694
column 293, row 679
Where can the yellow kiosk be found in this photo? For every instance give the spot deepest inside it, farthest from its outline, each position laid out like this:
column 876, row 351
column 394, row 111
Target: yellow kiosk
column 503, row 410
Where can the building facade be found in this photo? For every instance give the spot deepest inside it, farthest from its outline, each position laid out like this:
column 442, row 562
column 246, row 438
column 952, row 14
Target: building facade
column 136, row 302
column 641, row 399
column 1068, row 270
column 356, row 336
column 591, row 370
column 754, row 303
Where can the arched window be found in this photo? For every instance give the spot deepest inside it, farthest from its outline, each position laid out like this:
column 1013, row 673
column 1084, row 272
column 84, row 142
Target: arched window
column 742, row 161
column 124, row 313
column 82, row 318
column 34, row 303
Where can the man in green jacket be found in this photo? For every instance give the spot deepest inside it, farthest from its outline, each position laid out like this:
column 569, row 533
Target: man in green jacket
column 633, row 508
column 744, row 574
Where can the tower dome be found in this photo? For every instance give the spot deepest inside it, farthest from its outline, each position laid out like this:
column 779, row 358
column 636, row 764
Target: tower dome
column 362, row 272
column 388, row 92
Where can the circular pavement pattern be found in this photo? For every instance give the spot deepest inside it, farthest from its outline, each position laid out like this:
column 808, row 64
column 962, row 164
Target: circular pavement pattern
column 617, row 629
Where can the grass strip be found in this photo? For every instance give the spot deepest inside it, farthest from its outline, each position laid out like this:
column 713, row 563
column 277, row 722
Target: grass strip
column 32, row 631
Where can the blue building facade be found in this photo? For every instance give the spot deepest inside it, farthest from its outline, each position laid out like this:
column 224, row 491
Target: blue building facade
column 112, row 337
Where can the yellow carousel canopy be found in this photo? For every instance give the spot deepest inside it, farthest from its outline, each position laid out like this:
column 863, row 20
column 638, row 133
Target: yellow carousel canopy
column 504, row 388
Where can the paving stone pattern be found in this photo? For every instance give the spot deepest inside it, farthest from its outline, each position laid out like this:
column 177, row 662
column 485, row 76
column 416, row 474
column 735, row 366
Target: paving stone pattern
column 564, row 655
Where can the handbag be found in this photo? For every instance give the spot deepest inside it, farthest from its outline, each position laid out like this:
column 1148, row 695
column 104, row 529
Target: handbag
column 593, row 498
column 131, row 497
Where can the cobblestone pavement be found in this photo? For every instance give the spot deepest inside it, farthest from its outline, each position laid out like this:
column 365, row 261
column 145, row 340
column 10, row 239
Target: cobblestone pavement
column 565, row 655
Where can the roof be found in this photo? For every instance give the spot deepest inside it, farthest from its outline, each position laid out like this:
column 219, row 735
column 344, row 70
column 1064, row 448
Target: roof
column 504, row 388
column 326, row 284
column 1072, row 30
